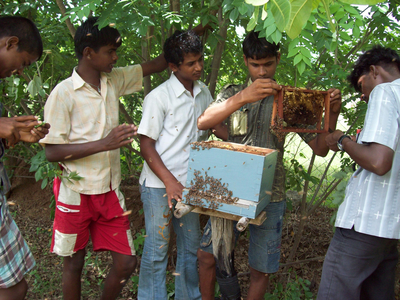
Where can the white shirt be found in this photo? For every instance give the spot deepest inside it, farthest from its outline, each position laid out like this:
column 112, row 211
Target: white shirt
column 170, row 118
column 372, row 202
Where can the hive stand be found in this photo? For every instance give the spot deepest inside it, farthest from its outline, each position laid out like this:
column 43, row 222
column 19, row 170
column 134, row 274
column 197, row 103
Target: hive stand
column 247, row 172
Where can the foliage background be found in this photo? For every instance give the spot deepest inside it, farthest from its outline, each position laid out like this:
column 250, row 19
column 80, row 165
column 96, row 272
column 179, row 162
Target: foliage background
column 318, row 46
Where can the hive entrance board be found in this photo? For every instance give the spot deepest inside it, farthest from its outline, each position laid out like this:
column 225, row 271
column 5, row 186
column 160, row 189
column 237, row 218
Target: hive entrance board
column 301, row 110
column 230, row 178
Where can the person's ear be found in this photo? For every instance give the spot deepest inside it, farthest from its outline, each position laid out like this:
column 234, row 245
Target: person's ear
column 87, row 52
column 374, row 71
column 278, row 57
column 12, row 42
column 173, row 67
column 245, row 60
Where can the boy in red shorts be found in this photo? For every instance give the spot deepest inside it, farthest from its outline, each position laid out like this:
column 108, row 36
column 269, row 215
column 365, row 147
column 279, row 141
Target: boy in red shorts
column 85, row 138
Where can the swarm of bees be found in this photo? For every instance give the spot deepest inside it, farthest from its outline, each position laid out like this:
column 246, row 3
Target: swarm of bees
column 300, row 107
column 210, row 189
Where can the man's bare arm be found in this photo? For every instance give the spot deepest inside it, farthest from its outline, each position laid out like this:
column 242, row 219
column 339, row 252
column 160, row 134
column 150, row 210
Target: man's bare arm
column 172, row 185
column 217, row 113
column 117, row 138
column 373, row 157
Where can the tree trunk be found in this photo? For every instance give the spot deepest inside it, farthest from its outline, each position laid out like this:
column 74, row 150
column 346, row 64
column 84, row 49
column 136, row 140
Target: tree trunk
column 303, row 215
column 146, row 49
column 216, row 62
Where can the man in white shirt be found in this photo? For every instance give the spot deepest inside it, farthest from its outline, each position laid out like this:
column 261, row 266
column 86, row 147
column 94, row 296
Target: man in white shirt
column 362, row 257
column 168, row 126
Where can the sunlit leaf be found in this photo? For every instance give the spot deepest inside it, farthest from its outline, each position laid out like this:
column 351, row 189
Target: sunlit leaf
column 301, row 10
column 280, row 9
column 327, row 8
column 264, row 14
column 362, row 2
column 256, row 2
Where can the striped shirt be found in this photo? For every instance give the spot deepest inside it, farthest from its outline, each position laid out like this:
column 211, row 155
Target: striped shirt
column 79, row 114
column 372, row 202
column 5, row 185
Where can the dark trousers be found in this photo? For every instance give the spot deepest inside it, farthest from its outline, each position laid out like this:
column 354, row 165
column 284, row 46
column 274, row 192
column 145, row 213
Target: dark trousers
column 358, row 266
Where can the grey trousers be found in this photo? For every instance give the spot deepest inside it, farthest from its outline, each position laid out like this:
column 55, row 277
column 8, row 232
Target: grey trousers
column 358, row 267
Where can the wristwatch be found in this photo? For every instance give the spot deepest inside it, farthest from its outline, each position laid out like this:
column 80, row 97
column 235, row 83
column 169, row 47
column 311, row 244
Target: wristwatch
column 339, row 142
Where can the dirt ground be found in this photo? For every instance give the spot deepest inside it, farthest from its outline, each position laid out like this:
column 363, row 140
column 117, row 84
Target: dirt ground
column 32, row 214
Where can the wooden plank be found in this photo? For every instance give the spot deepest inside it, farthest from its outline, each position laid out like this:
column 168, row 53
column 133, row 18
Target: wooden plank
column 257, row 221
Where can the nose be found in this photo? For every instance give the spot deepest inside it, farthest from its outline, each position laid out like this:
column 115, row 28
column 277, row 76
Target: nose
column 262, row 72
column 199, row 66
column 115, row 57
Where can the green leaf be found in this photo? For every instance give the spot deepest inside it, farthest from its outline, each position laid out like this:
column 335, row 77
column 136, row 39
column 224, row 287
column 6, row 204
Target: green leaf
column 243, row 9
column 264, row 14
column 345, row 36
column 293, row 52
column 251, row 24
column 356, row 32
column 276, row 36
column 301, row 10
column 328, row 13
column 39, row 174
column 301, row 67
column 253, row 20
column 298, row 58
column 280, row 9
column 34, row 86
column 44, row 183
column 234, row 15
column 270, row 30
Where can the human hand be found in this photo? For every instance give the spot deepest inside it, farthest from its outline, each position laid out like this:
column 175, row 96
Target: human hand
column 260, row 89
column 119, row 136
column 37, row 133
column 335, row 100
column 11, row 128
column 332, row 139
column 174, row 191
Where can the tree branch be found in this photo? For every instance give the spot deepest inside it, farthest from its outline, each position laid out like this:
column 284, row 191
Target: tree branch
column 63, row 10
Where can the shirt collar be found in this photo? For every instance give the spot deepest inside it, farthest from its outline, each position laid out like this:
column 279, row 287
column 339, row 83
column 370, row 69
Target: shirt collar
column 78, row 82
column 179, row 89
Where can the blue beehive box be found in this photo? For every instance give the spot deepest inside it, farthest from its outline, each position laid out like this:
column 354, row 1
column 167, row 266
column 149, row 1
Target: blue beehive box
column 230, row 178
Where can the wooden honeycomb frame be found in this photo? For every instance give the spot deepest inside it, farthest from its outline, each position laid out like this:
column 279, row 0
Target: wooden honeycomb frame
column 277, row 113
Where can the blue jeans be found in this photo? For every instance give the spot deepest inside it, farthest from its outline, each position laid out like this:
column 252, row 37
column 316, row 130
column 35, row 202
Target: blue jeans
column 265, row 240
column 158, row 220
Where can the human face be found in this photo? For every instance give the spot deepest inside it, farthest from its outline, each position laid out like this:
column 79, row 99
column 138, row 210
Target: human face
column 105, row 59
column 12, row 61
column 190, row 69
column 366, row 84
column 262, row 68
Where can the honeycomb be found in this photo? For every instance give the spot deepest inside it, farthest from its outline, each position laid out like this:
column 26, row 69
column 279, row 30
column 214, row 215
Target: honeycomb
column 300, row 107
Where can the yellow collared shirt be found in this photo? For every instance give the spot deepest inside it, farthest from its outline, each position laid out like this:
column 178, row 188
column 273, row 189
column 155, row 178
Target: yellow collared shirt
column 79, row 114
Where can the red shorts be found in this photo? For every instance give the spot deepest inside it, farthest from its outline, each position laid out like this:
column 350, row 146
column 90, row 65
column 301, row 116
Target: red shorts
column 101, row 216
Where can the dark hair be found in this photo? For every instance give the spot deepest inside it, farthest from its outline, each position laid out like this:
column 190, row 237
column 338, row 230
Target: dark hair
column 387, row 58
column 89, row 35
column 25, row 30
column 180, row 43
column 258, row 47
